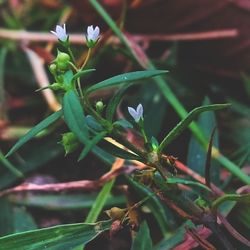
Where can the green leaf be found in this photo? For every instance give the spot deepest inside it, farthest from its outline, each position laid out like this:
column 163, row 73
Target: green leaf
column 123, row 123
column 91, row 144
column 82, row 73
column 8, row 165
column 74, row 116
column 67, row 78
column 14, row 219
column 125, row 78
column 106, row 157
column 196, row 154
column 54, row 238
column 183, row 124
column 35, row 130
column 100, row 202
column 118, row 152
column 177, row 237
column 231, row 197
column 33, row 157
column 114, row 102
column 172, row 180
column 22, row 219
column 55, row 202
column 142, row 240
column 152, row 100
column 6, row 217
column 93, row 124
column 154, row 204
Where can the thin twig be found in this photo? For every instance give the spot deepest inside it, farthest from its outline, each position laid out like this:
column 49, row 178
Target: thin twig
column 208, row 159
column 23, row 35
column 37, row 65
column 69, row 186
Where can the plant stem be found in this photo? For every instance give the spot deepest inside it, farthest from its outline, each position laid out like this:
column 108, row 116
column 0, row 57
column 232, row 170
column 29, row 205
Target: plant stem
column 99, row 202
column 171, row 98
column 10, row 167
column 230, row 197
column 71, row 55
column 86, row 59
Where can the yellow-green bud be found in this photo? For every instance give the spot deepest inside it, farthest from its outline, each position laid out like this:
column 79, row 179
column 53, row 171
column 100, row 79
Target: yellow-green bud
column 116, row 213
column 53, row 68
column 99, row 106
column 69, row 142
column 62, row 61
column 56, row 86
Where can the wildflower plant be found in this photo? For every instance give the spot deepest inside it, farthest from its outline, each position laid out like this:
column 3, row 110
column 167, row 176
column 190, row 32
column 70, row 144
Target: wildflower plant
column 94, row 127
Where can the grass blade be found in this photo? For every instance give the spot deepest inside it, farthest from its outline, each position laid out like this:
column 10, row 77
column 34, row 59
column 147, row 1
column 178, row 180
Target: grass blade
column 35, row 130
column 182, row 125
column 54, row 238
column 125, row 78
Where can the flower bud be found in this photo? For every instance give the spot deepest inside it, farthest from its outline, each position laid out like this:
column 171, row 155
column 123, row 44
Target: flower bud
column 99, row 106
column 56, row 86
column 69, row 142
column 62, row 61
column 92, row 36
column 53, row 68
column 116, row 213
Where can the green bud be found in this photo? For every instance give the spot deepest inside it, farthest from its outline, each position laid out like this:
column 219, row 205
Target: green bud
column 69, row 142
column 53, row 68
column 154, row 143
column 116, row 213
column 201, row 202
column 99, row 106
column 62, row 61
column 56, row 86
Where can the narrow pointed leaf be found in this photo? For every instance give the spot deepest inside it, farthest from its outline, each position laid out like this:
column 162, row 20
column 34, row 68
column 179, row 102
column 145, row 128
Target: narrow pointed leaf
column 54, row 238
column 74, row 116
column 183, row 124
column 91, row 144
column 114, row 102
column 172, row 180
column 118, row 152
column 67, row 78
column 35, row 130
column 142, row 240
column 154, row 204
column 125, row 78
column 100, row 202
column 82, row 73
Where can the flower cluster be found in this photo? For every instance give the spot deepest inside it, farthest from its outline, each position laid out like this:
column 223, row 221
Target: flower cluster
column 92, row 36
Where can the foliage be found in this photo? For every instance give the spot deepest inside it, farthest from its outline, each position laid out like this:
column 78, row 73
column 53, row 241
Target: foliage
column 125, row 137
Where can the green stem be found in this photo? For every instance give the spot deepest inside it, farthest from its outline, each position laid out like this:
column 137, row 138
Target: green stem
column 71, row 55
column 141, row 127
column 170, row 96
column 100, row 202
column 10, row 167
column 3, row 54
column 86, row 59
column 117, row 136
column 230, row 197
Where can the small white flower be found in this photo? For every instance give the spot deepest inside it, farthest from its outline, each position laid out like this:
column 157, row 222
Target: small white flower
column 136, row 114
column 60, row 33
column 92, row 35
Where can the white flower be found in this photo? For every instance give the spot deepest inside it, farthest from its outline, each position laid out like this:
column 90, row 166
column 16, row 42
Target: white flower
column 136, row 114
column 60, row 33
column 92, row 35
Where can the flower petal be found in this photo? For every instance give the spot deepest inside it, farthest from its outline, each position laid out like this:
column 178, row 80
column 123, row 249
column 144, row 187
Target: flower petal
column 96, row 33
column 133, row 113
column 139, row 111
column 60, row 32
